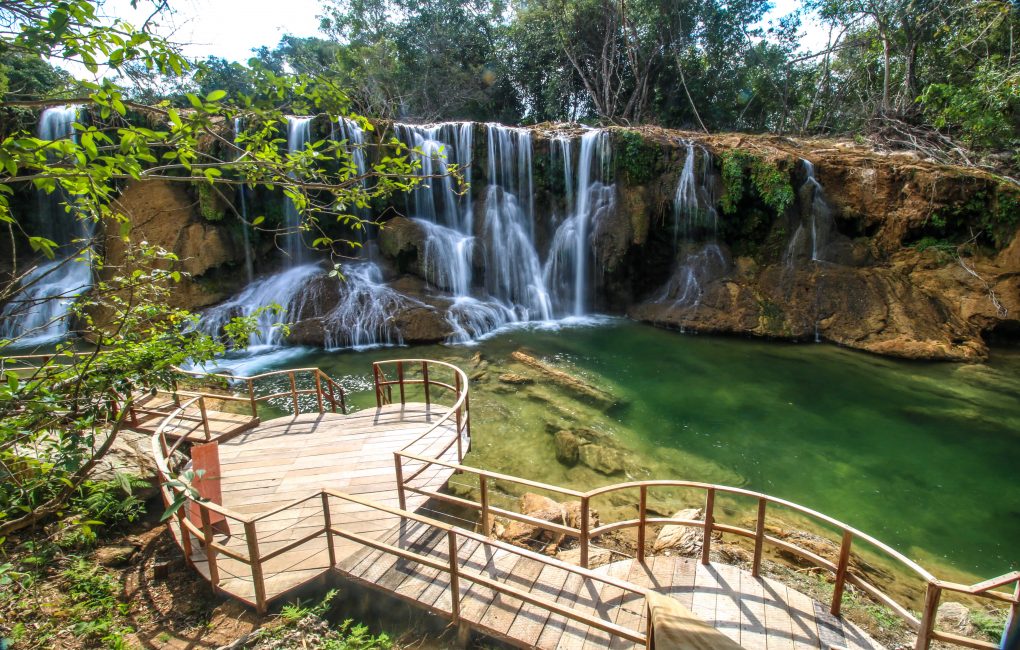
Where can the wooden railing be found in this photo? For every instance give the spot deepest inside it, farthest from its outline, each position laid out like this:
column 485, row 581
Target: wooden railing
column 585, row 533
column 325, row 389
column 411, row 373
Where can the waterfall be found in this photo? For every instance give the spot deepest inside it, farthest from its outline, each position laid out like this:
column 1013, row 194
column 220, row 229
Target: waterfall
column 821, row 213
column 53, row 220
column 363, row 317
column 38, row 314
column 437, row 198
column 242, row 190
column 687, row 285
column 446, row 260
column 513, row 273
column 566, row 268
column 298, row 135
column 288, row 289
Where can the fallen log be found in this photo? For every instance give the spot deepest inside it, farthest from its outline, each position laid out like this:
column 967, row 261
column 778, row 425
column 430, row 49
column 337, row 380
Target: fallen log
column 573, row 384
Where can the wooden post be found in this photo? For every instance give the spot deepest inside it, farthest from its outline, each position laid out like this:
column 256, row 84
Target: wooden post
column 460, row 415
column 343, row 401
column 584, row 531
column 205, row 418
column 400, row 380
column 399, row 466
column 378, row 388
column 484, row 484
column 293, row 392
column 210, row 552
column 1012, row 624
column 642, row 515
column 759, row 537
column 451, row 538
column 318, row 391
column 841, row 569
column 256, row 567
column 931, row 605
column 251, row 398
column 706, row 541
column 328, row 519
column 425, row 379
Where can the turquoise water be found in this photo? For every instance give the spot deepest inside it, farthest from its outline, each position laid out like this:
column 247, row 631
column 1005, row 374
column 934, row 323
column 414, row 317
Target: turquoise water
column 924, row 457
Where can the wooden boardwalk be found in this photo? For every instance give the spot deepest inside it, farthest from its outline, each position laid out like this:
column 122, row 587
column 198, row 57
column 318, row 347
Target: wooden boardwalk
column 265, row 469
column 149, row 410
column 757, row 613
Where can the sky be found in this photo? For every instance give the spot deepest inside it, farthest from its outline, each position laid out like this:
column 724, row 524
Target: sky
column 231, row 29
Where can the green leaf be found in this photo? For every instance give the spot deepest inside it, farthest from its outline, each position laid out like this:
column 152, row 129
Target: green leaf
column 215, row 95
column 257, row 220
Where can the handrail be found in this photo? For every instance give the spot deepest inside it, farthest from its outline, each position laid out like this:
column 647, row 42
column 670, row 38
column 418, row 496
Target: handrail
column 586, row 534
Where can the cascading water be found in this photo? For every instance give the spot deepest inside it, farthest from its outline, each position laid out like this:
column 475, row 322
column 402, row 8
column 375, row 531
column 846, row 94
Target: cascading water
column 513, row 274
column 446, row 259
column 821, row 214
column 287, row 289
column 694, row 220
column 566, row 269
column 363, row 317
column 38, row 314
column 242, row 191
column 298, row 135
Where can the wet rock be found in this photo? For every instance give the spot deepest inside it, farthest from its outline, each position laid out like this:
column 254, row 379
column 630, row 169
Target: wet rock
column 514, row 379
column 115, row 556
column 604, row 460
column 401, row 238
column 568, row 447
column 685, row 540
column 422, row 324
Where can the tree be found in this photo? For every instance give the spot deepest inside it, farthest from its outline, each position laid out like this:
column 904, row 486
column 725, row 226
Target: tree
column 59, row 416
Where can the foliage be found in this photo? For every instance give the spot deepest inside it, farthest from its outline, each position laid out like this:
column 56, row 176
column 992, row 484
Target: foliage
column 770, row 183
column 93, row 594
column 209, row 204
column 732, row 165
column 773, row 185
column 59, row 417
column 635, row 157
column 989, row 623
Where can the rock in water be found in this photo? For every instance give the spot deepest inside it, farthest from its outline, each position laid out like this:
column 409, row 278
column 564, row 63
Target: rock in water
column 567, row 447
column 685, row 540
column 604, row 460
column 514, row 379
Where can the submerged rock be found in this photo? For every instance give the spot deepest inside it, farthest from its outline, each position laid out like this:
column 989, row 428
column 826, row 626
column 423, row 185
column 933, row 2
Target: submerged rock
column 568, row 447
column 514, row 379
column 602, row 459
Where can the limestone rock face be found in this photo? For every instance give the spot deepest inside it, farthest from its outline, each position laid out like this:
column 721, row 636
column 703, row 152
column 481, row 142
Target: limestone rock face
column 402, row 240
column 163, row 214
column 905, row 309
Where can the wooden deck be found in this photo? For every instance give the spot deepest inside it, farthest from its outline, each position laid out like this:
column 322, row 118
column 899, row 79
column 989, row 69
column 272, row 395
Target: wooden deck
column 290, row 458
column 757, row 613
column 148, row 411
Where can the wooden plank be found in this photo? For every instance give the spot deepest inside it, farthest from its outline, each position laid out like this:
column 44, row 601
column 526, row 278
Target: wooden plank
column 504, row 609
column 830, row 628
column 706, row 589
column 752, row 612
column 727, row 604
column 802, row 615
column 556, row 625
column 778, row 624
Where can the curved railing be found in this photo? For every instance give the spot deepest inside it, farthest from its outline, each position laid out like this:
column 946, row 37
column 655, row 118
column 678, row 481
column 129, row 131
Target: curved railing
column 198, row 519
column 324, row 387
column 585, row 533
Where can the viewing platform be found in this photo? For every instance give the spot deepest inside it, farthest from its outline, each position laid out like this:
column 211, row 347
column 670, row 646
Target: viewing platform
column 306, row 489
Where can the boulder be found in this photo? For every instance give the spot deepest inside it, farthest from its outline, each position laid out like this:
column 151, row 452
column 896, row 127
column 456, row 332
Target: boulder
column 596, row 556
column 568, row 447
column 514, row 379
column 955, row 618
column 546, row 509
column 602, row 459
column 685, row 540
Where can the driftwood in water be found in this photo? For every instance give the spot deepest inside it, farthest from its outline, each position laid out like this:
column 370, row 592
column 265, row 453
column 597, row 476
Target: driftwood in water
column 574, row 384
